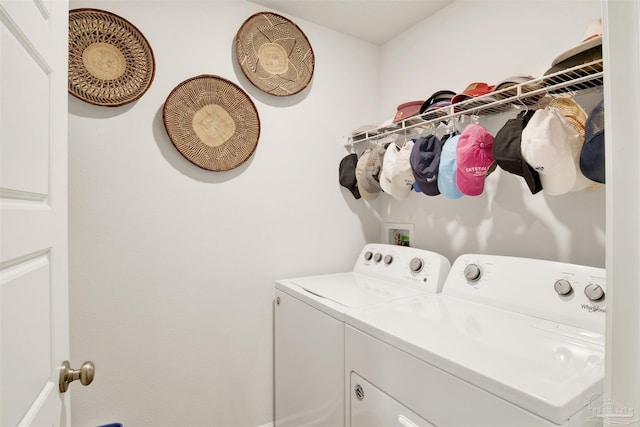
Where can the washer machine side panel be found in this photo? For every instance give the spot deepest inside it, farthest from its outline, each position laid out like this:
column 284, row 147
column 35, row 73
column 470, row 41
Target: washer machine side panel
column 430, row 392
column 309, row 365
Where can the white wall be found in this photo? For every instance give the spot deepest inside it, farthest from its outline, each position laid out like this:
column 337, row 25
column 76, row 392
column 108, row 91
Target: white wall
column 173, row 267
column 488, row 41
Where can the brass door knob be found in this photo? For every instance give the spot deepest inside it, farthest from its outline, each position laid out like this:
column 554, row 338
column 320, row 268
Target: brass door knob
column 67, row 375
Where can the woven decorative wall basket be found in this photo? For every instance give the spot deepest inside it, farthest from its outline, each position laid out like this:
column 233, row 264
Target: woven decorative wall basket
column 212, row 122
column 274, row 54
column 110, row 61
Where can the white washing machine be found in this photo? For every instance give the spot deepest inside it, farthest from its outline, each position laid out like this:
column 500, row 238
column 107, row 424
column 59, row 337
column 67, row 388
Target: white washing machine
column 309, row 326
column 508, row 342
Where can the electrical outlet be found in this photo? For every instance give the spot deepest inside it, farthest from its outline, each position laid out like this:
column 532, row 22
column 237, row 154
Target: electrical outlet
column 397, row 234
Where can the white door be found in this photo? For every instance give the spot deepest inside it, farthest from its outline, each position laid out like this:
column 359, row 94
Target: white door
column 34, row 323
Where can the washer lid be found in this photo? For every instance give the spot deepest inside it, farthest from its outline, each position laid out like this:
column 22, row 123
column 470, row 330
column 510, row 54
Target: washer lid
column 344, row 291
column 547, row 368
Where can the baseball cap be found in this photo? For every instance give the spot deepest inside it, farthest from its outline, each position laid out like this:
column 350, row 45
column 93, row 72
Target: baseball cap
column 508, row 88
column 447, row 169
column 361, row 132
column 425, row 160
column 473, row 90
column 360, row 167
column 388, row 162
column 371, row 175
column 347, row 174
column 441, row 97
column 548, row 144
column 592, row 153
column 508, row 155
column 402, row 179
column 407, row 110
column 473, row 159
column 574, row 116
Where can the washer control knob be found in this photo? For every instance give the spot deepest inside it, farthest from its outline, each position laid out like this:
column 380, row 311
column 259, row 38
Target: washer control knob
column 416, row 265
column 562, row 287
column 368, row 255
column 472, row 272
column 377, row 257
column 388, row 259
column 594, row 292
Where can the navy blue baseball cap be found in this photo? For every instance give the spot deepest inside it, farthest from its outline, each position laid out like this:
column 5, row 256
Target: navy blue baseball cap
column 425, row 161
column 592, row 153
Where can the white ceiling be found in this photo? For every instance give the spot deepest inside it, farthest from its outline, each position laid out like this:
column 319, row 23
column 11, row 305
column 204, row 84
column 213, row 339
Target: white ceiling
column 376, row 21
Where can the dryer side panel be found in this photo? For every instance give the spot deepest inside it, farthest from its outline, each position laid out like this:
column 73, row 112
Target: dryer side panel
column 309, row 365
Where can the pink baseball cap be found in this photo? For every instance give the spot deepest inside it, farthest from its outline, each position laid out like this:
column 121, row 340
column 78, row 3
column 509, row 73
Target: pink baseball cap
column 473, row 159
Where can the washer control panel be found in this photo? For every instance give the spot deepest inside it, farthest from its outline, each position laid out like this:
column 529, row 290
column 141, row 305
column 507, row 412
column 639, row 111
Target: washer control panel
column 413, row 267
column 562, row 292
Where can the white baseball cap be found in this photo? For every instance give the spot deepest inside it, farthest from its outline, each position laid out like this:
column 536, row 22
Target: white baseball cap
column 402, row 176
column 548, row 145
column 388, row 163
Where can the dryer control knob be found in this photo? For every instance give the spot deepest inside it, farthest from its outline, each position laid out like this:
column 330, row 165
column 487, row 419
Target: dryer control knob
column 368, row 255
column 377, row 257
column 594, row 292
column 388, row 259
column 416, row 265
column 472, row 272
column 562, row 287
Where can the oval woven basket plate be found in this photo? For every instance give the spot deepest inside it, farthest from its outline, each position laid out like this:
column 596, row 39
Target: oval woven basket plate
column 274, row 54
column 212, row 122
column 110, row 61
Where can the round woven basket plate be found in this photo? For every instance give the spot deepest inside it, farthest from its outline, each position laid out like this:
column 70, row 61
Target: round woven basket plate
column 274, row 54
column 110, row 61
column 212, row 122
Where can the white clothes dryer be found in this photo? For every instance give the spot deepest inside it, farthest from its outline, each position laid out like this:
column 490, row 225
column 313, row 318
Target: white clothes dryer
column 508, row 342
column 309, row 326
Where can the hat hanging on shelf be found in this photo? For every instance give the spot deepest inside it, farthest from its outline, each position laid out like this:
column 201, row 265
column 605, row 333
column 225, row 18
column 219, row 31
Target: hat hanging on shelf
column 360, row 178
column 211, row 122
column 347, row 174
column 402, row 176
column 274, row 54
column 110, row 61
column 576, row 117
column 473, row 159
column 552, row 147
column 425, row 162
column 592, row 157
column 370, row 178
column 388, row 163
column 507, row 152
column 447, row 169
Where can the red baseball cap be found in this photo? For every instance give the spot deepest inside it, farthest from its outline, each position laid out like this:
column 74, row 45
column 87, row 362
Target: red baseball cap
column 472, row 91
